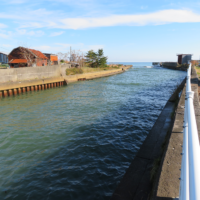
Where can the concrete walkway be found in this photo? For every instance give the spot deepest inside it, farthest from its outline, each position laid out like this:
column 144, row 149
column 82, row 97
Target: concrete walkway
column 168, row 180
column 136, row 183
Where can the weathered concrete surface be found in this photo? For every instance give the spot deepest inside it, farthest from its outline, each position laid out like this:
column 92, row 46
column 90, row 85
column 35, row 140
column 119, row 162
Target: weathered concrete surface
column 93, row 75
column 136, row 183
column 20, row 84
column 175, row 95
column 168, row 177
column 173, row 66
column 61, row 77
column 31, row 73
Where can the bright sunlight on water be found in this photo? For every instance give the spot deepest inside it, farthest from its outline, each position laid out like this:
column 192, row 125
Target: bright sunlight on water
column 76, row 142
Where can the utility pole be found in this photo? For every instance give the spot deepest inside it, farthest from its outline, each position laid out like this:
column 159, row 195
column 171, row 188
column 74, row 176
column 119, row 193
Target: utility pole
column 70, row 54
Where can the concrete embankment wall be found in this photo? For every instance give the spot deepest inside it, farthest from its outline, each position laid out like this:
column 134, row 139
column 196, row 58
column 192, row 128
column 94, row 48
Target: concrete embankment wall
column 93, row 75
column 167, row 186
column 173, row 65
column 56, row 78
column 31, row 73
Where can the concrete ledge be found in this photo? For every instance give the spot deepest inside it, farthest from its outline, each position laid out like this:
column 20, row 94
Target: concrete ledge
column 136, row 183
column 68, row 79
column 93, row 75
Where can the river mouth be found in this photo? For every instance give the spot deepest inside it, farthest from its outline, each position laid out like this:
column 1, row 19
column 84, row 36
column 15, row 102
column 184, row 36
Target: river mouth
column 76, row 142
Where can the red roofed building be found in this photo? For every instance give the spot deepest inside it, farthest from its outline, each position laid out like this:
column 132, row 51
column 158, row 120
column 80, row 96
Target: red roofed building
column 52, row 58
column 24, row 57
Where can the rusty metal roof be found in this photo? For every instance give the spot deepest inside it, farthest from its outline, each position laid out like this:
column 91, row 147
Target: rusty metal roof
column 18, row 61
column 38, row 53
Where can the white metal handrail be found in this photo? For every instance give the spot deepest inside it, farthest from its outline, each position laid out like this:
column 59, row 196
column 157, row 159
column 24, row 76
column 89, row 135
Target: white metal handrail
column 190, row 166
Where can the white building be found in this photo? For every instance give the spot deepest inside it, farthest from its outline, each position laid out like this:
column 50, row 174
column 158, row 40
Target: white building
column 3, row 58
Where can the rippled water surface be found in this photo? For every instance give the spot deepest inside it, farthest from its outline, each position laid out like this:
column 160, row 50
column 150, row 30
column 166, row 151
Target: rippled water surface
column 76, row 142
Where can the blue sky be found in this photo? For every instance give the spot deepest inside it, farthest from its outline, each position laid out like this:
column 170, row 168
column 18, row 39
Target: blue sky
column 127, row 30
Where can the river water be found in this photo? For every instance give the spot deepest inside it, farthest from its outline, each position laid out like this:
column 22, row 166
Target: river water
column 76, row 142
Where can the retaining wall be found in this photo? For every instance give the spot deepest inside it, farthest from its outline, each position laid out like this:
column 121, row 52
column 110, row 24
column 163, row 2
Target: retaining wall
column 58, row 78
column 31, row 73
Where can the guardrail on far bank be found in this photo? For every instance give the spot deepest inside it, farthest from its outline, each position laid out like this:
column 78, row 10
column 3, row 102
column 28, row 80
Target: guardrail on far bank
column 190, row 166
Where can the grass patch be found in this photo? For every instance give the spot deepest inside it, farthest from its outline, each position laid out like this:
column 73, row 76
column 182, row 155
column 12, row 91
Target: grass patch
column 73, row 71
column 198, row 70
column 86, row 69
column 90, row 69
column 4, row 66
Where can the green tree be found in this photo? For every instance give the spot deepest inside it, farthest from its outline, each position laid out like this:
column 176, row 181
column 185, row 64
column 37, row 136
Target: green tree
column 96, row 59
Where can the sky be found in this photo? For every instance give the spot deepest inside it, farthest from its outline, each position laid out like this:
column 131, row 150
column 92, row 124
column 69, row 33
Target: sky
column 128, row 30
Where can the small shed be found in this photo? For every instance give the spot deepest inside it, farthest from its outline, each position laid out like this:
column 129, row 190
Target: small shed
column 3, row 58
column 184, row 58
column 52, row 58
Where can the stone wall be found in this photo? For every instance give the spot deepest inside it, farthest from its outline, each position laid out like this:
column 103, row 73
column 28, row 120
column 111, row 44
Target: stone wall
column 32, row 73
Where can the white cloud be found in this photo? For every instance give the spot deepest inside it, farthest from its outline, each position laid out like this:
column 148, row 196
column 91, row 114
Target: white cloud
column 2, row 35
column 6, row 45
column 56, row 34
column 6, row 34
column 63, row 47
column 156, row 18
column 30, row 33
column 43, row 48
column 42, row 18
column 3, row 25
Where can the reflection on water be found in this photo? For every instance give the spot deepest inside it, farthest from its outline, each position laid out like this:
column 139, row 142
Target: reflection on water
column 76, row 142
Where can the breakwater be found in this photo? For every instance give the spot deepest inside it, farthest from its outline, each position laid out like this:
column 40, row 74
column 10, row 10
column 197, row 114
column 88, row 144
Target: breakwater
column 76, row 142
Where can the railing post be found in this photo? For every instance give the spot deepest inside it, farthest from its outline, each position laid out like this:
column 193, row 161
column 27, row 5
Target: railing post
column 194, row 151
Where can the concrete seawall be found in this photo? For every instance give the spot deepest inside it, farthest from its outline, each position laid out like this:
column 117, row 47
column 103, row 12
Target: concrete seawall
column 31, row 73
column 33, row 83
column 173, row 65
